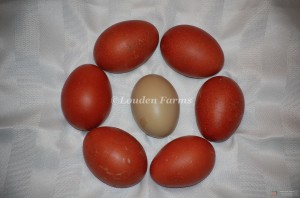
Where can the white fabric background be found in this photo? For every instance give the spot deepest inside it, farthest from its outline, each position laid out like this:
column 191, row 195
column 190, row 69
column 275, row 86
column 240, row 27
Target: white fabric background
column 42, row 41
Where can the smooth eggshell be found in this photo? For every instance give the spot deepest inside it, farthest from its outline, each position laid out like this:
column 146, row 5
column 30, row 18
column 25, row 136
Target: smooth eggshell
column 183, row 162
column 86, row 97
column 191, row 51
column 125, row 46
column 150, row 107
column 219, row 108
column 114, row 156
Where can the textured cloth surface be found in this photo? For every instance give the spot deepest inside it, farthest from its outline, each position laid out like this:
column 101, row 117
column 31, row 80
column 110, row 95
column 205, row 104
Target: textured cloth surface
column 42, row 41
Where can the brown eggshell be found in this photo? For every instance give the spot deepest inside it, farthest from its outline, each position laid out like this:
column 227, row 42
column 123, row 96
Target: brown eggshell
column 219, row 108
column 155, row 105
column 125, row 46
column 183, row 162
column 86, row 97
column 114, row 156
column 191, row 51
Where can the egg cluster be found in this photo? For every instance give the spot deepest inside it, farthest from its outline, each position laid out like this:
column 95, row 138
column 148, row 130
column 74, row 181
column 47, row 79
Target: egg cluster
column 116, row 157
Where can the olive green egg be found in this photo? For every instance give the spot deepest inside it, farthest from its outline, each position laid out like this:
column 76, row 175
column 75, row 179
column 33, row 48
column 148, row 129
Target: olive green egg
column 155, row 105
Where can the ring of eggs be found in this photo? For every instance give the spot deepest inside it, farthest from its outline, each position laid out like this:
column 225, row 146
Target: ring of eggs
column 116, row 157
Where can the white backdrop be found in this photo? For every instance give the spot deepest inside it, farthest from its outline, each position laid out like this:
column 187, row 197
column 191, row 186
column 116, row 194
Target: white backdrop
column 42, row 41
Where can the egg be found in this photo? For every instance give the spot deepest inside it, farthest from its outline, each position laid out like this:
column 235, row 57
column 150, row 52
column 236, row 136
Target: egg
column 183, row 162
column 191, row 51
column 125, row 46
column 114, row 156
column 86, row 97
column 219, row 108
column 155, row 105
